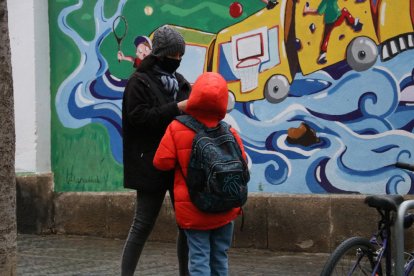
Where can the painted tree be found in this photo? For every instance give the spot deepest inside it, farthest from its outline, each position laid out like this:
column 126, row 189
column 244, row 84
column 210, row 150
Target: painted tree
column 8, row 233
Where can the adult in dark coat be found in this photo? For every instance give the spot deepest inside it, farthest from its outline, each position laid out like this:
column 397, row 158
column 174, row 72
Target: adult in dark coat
column 153, row 96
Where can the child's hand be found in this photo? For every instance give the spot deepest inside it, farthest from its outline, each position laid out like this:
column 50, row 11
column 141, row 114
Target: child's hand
column 182, row 105
column 120, row 56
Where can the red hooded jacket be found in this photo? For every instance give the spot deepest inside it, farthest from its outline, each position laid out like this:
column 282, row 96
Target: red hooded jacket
column 208, row 104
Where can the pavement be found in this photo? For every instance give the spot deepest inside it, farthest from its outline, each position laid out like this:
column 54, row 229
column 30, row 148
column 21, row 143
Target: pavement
column 80, row 255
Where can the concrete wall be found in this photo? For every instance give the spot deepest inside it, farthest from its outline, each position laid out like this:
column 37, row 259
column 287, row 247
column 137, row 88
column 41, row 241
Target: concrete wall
column 29, row 41
column 294, row 223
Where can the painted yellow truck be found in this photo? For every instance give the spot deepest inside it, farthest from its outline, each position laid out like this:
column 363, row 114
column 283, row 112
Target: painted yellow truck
column 252, row 57
column 260, row 55
column 395, row 27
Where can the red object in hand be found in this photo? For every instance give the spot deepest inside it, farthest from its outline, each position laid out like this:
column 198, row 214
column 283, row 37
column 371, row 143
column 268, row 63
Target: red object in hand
column 236, row 9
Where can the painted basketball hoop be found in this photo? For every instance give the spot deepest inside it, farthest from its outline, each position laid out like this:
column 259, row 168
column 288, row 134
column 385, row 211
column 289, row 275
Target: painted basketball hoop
column 247, row 71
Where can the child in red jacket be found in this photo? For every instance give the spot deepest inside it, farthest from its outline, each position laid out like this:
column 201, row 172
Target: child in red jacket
column 209, row 235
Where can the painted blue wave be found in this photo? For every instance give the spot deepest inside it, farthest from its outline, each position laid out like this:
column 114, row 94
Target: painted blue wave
column 360, row 139
column 89, row 95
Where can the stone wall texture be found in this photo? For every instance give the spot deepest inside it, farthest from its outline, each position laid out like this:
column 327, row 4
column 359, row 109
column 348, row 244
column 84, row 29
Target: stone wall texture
column 282, row 222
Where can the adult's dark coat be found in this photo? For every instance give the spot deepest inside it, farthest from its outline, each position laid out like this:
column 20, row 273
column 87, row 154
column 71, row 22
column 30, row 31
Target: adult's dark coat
column 146, row 113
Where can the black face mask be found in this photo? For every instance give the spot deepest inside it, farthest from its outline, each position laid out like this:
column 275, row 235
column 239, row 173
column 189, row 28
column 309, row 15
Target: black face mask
column 170, row 65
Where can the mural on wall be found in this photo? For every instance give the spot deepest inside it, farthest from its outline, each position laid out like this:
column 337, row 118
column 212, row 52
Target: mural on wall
column 321, row 91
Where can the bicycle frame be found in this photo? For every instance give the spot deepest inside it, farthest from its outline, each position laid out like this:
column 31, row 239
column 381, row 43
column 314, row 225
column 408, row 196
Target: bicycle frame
column 384, row 246
column 384, row 234
column 394, row 219
column 401, row 268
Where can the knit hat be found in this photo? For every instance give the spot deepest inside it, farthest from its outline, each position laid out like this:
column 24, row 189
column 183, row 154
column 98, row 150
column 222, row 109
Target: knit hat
column 167, row 41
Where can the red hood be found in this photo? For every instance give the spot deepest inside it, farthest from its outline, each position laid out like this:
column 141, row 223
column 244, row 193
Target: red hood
column 208, row 99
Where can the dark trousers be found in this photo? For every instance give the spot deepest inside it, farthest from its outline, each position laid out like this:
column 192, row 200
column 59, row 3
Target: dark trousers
column 148, row 206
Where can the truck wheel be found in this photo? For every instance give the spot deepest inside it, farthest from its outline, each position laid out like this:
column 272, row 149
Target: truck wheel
column 276, row 89
column 231, row 102
column 361, row 53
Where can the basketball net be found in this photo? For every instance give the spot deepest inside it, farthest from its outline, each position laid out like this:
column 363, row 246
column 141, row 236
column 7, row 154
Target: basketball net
column 248, row 72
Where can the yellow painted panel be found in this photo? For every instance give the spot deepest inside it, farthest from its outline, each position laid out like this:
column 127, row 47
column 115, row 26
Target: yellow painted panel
column 340, row 37
column 394, row 19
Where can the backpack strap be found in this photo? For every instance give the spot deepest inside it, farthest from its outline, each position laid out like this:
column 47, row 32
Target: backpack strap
column 195, row 125
column 190, row 122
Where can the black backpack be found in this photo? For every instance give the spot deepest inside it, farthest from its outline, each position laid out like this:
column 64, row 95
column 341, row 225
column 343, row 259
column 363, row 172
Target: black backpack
column 217, row 173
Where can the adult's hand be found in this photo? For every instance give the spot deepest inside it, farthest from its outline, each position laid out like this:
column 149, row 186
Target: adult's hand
column 182, row 105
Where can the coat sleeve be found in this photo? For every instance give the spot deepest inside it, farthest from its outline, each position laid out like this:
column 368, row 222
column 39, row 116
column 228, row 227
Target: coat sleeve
column 141, row 110
column 166, row 155
column 239, row 141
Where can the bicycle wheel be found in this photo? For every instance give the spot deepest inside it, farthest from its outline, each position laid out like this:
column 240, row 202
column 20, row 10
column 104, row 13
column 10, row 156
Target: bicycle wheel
column 354, row 256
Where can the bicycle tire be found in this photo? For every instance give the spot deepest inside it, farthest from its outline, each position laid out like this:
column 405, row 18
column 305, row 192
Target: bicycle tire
column 354, row 256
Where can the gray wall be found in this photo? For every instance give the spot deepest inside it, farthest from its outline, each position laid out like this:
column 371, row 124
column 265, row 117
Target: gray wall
column 296, row 223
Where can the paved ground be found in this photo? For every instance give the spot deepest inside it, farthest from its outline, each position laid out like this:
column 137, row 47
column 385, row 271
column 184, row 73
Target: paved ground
column 78, row 255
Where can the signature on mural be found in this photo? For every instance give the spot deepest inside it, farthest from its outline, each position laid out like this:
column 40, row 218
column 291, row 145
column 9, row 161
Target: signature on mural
column 92, row 179
column 335, row 126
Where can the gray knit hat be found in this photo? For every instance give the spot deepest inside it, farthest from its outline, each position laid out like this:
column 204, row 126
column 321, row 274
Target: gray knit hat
column 167, row 41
